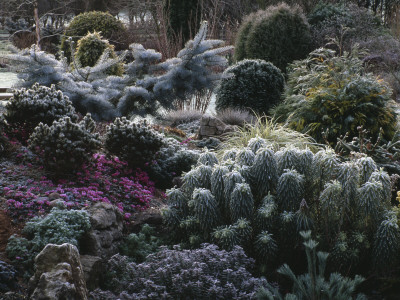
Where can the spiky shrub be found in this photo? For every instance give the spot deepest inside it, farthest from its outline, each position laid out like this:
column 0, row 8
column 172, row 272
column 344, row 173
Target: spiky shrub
column 328, row 96
column 91, row 47
column 205, row 273
column 65, row 145
column 280, row 35
column 28, row 107
column 240, row 88
column 111, row 28
column 264, row 202
column 313, row 284
column 136, row 143
column 58, row 227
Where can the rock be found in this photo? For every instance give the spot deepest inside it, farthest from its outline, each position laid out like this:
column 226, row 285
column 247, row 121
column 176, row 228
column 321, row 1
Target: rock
column 54, row 196
column 211, row 126
column 106, row 231
column 59, row 274
column 57, row 203
column 93, row 268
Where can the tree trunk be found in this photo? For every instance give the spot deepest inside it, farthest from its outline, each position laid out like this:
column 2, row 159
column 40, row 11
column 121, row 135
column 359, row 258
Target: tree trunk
column 37, row 23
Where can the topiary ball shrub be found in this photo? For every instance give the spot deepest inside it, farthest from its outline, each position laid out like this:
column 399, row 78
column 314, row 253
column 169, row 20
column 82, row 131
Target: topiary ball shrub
column 136, row 143
column 280, row 34
column 65, row 145
column 250, row 84
column 111, row 29
column 91, row 47
column 28, row 107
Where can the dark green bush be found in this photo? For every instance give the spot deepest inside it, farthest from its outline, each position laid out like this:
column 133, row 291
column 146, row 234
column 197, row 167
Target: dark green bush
column 250, row 84
column 138, row 246
column 324, row 11
column 65, row 146
column 58, row 227
column 91, row 47
column 110, row 28
column 280, row 35
column 28, row 107
column 136, row 143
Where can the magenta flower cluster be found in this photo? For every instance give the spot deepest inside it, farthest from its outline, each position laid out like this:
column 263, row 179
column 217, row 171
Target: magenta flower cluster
column 104, row 179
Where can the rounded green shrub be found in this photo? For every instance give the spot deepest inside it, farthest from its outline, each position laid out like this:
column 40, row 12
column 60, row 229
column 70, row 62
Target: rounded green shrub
column 65, row 145
column 280, row 34
column 136, row 143
column 28, row 107
column 110, row 28
column 91, row 47
column 250, row 84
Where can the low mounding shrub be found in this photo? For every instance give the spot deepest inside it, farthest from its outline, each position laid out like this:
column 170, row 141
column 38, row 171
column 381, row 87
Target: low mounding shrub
column 91, row 47
column 171, row 161
column 28, row 107
column 58, row 227
column 328, row 96
column 250, row 84
column 110, row 28
column 261, row 199
column 65, row 146
column 279, row 34
column 205, row 273
column 136, row 143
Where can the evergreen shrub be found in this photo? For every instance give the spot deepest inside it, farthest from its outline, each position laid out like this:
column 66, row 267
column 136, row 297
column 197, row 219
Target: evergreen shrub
column 280, row 35
column 136, row 143
column 250, row 85
column 328, row 96
column 65, row 145
column 108, row 26
column 261, row 199
column 28, row 107
column 91, row 47
column 58, row 227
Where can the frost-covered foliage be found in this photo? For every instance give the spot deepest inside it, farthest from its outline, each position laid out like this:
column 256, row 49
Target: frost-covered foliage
column 29, row 107
column 260, row 199
column 147, row 84
column 314, row 285
column 328, row 96
column 58, row 227
column 136, row 143
column 205, row 273
column 65, row 145
column 241, row 87
column 170, row 161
